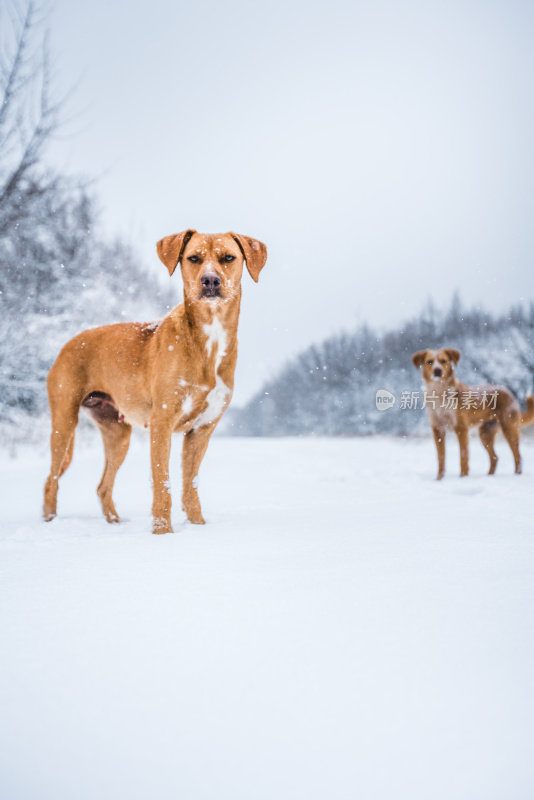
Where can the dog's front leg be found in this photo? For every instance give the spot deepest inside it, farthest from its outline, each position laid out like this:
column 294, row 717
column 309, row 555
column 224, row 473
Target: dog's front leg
column 195, row 446
column 439, row 439
column 463, row 440
column 160, row 450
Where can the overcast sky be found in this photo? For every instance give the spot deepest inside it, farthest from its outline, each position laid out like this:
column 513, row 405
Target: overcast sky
column 384, row 151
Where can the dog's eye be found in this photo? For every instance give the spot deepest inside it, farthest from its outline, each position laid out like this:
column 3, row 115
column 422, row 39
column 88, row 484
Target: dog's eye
column 228, row 258
column 430, row 361
column 443, row 361
column 193, row 259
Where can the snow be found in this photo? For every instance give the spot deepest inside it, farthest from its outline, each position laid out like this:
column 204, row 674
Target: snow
column 343, row 627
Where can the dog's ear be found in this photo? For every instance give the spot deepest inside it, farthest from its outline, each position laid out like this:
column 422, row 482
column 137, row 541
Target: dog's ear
column 454, row 355
column 418, row 358
column 170, row 248
column 254, row 253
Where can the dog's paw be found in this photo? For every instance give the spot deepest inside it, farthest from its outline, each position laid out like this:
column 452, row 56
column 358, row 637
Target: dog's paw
column 191, row 507
column 161, row 526
column 196, row 519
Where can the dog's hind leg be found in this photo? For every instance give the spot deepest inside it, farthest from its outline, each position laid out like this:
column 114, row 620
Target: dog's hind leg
column 68, row 456
column 194, row 448
column 116, row 439
column 463, row 440
column 64, row 423
column 510, row 428
column 487, row 433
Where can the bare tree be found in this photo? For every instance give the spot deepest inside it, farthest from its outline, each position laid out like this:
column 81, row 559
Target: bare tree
column 28, row 114
column 57, row 275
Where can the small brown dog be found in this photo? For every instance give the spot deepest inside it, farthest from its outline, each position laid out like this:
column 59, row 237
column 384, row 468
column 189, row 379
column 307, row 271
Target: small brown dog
column 453, row 405
column 173, row 376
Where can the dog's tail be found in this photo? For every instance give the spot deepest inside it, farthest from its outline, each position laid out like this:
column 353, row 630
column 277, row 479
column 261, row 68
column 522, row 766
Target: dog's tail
column 528, row 417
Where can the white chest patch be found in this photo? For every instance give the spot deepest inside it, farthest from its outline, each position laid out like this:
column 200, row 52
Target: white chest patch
column 440, row 408
column 187, row 405
column 215, row 335
column 216, row 399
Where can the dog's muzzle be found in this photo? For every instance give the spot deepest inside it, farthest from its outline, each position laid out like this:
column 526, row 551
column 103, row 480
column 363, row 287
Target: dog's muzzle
column 211, row 285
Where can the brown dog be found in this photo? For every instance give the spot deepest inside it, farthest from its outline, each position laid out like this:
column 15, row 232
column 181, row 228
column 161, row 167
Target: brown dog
column 173, row 376
column 453, row 405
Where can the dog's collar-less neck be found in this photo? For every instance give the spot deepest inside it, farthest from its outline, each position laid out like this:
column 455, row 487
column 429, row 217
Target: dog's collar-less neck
column 444, row 385
column 211, row 305
column 198, row 314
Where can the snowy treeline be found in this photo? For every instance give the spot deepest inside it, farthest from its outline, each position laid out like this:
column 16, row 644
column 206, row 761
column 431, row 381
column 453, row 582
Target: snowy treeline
column 57, row 275
column 57, row 278
column 331, row 387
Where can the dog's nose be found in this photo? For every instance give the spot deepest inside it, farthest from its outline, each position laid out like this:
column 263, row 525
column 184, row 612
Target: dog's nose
column 210, row 281
column 437, row 372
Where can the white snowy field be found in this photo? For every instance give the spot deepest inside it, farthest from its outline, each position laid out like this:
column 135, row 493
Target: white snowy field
column 343, row 627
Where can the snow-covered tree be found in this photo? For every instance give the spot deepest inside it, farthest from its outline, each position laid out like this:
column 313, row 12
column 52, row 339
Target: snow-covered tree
column 331, row 387
column 57, row 275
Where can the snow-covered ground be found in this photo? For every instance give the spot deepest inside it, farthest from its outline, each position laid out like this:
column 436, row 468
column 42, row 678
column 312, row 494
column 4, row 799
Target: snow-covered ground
column 343, row 627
